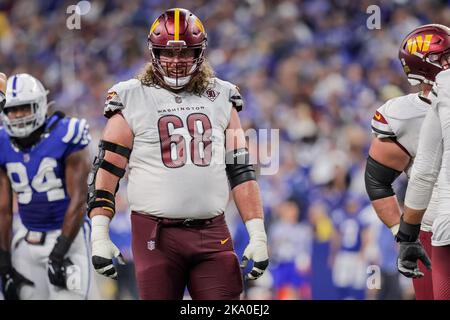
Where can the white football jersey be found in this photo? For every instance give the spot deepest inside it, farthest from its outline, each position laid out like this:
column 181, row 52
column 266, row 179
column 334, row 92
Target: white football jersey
column 441, row 225
column 177, row 167
column 401, row 118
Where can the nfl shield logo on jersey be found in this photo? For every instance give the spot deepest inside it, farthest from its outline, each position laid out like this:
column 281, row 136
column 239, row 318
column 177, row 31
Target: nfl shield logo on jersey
column 151, row 245
column 178, row 99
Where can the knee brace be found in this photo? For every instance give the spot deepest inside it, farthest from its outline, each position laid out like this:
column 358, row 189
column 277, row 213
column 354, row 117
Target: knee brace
column 107, row 199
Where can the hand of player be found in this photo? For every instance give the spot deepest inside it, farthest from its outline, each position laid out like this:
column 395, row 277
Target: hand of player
column 102, row 254
column 411, row 250
column 12, row 280
column 57, row 271
column 409, row 253
column 256, row 249
column 57, row 264
column 103, row 249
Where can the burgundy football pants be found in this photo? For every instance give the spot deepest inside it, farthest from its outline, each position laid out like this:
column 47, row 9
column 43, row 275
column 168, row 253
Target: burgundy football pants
column 423, row 287
column 168, row 257
column 441, row 272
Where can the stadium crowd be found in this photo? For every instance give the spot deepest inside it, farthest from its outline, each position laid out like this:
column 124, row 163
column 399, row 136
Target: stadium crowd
column 312, row 69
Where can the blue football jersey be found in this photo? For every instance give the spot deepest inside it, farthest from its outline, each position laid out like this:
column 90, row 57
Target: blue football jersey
column 350, row 229
column 37, row 175
column 350, row 226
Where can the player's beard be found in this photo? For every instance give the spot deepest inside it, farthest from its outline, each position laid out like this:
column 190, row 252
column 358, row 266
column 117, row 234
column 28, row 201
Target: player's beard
column 197, row 84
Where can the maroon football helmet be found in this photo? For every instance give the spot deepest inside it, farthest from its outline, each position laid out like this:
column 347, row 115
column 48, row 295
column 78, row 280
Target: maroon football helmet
column 422, row 50
column 177, row 33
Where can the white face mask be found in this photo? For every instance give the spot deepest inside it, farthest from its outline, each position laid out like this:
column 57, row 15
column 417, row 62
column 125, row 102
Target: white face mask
column 21, row 127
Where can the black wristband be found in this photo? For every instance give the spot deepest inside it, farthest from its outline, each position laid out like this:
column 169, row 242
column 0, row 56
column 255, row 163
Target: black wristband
column 5, row 262
column 61, row 247
column 407, row 232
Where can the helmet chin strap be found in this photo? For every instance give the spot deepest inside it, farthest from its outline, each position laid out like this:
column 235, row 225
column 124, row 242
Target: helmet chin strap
column 415, row 79
column 177, row 83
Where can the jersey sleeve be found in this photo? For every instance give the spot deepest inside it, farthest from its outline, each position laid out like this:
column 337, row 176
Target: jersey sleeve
column 113, row 102
column 427, row 163
column 76, row 136
column 380, row 123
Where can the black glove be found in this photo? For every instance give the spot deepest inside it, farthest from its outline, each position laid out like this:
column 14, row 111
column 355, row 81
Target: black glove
column 411, row 250
column 57, row 265
column 11, row 279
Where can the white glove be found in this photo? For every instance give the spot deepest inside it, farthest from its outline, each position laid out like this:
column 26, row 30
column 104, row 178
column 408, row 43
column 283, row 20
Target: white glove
column 103, row 250
column 256, row 249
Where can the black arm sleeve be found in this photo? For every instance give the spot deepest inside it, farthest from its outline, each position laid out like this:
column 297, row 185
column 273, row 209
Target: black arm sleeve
column 378, row 179
column 238, row 167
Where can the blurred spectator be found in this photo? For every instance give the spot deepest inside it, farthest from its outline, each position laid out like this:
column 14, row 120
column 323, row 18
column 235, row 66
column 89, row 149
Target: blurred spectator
column 390, row 277
column 351, row 241
column 321, row 280
column 290, row 251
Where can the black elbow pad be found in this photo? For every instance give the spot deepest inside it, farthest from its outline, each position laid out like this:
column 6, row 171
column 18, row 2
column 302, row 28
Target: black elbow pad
column 238, row 167
column 378, row 179
column 107, row 199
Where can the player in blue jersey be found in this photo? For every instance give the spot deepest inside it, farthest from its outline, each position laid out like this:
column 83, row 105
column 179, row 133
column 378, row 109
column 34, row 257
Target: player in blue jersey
column 44, row 161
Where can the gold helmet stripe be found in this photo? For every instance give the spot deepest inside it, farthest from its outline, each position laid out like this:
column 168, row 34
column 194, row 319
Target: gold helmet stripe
column 177, row 25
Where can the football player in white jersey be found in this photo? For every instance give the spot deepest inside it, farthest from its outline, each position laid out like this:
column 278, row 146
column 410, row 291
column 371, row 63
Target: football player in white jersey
column 396, row 127
column 174, row 126
column 434, row 148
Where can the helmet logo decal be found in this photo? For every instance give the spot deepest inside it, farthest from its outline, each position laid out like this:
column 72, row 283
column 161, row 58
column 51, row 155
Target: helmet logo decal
column 177, row 25
column 418, row 44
